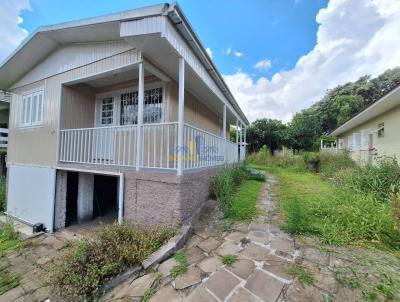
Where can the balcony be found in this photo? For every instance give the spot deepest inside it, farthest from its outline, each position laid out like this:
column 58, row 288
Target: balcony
column 158, row 147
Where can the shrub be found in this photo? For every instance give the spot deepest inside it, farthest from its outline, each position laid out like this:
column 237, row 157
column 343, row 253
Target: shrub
column 375, row 179
column 224, row 183
column 333, row 163
column 87, row 263
column 292, row 162
column 312, row 160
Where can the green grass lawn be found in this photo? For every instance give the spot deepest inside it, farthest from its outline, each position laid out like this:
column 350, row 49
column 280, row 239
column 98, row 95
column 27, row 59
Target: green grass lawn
column 312, row 205
column 244, row 201
column 9, row 239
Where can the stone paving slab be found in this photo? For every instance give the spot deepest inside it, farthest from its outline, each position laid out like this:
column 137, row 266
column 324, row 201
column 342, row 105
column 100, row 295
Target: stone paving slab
column 167, row 293
column 209, row 244
column 191, row 277
column 194, row 255
column 165, row 268
column 228, row 248
column 242, row 295
column 236, row 236
column 242, row 268
column 221, row 283
column 210, row 265
column 264, row 286
column 255, row 252
column 200, row 294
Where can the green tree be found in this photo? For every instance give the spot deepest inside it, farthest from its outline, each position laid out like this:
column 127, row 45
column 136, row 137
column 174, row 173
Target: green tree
column 304, row 130
column 346, row 106
column 268, row 132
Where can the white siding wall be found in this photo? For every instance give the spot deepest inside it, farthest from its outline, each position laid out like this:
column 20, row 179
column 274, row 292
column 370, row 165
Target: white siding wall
column 72, row 56
column 39, row 145
column 31, row 194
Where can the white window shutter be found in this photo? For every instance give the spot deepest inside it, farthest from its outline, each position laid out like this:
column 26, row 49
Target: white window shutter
column 365, row 138
column 357, row 141
column 350, row 142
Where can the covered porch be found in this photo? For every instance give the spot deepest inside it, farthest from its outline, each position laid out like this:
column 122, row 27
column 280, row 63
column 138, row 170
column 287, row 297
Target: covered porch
column 139, row 117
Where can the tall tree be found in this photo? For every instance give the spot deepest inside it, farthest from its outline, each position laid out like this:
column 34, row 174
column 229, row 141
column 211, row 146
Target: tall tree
column 268, row 132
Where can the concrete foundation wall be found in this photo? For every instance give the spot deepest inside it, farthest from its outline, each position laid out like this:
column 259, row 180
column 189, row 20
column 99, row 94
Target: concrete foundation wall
column 150, row 198
column 85, row 196
column 60, row 214
column 165, row 199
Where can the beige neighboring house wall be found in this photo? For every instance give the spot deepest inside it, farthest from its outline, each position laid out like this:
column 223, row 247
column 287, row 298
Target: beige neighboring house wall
column 388, row 145
column 374, row 132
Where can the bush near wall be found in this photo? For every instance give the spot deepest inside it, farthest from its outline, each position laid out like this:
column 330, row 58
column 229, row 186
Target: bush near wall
column 87, row 263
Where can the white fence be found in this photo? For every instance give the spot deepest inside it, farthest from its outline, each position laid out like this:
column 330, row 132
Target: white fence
column 3, row 137
column 116, row 146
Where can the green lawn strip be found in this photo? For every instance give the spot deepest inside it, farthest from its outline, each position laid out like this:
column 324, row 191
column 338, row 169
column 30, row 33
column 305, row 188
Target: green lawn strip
column 313, row 205
column 8, row 281
column 9, row 239
column 243, row 207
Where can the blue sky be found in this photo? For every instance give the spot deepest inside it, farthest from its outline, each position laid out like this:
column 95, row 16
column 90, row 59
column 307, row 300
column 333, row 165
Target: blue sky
column 277, row 56
column 279, row 31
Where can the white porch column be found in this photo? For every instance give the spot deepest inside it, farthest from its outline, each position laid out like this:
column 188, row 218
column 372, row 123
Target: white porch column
column 237, row 132
column 244, row 141
column 181, row 115
column 224, row 122
column 140, row 118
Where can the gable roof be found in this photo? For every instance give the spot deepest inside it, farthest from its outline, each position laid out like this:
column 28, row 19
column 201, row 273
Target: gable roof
column 384, row 104
column 47, row 39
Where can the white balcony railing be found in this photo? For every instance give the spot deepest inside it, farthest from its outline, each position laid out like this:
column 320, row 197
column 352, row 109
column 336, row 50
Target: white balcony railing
column 3, row 138
column 116, row 146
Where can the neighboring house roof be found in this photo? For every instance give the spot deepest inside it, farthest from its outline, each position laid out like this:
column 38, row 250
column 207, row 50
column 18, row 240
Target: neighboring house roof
column 47, row 39
column 384, row 104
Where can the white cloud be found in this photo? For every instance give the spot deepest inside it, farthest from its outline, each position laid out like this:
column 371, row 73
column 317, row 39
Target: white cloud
column 239, row 54
column 11, row 33
column 209, row 52
column 228, row 51
column 263, row 65
column 354, row 38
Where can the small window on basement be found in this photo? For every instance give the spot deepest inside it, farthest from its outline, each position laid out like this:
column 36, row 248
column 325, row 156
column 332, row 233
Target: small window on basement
column 381, row 130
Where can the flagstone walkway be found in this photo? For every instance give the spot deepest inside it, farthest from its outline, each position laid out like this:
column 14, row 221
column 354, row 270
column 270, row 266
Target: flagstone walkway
column 261, row 273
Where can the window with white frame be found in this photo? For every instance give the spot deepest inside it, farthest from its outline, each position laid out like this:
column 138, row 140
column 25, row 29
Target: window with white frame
column 152, row 111
column 32, row 109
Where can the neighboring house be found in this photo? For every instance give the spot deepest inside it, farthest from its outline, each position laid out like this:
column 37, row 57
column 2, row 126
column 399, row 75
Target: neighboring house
column 121, row 115
column 373, row 132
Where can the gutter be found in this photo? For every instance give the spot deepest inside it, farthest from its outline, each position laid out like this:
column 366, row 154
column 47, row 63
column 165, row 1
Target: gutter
column 181, row 23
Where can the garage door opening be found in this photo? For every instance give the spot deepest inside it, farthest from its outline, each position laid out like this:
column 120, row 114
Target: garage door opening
column 105, row 197
column 71, row 216
column 89, row 199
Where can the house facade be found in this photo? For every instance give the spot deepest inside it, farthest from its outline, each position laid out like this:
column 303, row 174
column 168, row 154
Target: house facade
column 121, row 115
column 374, row 132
